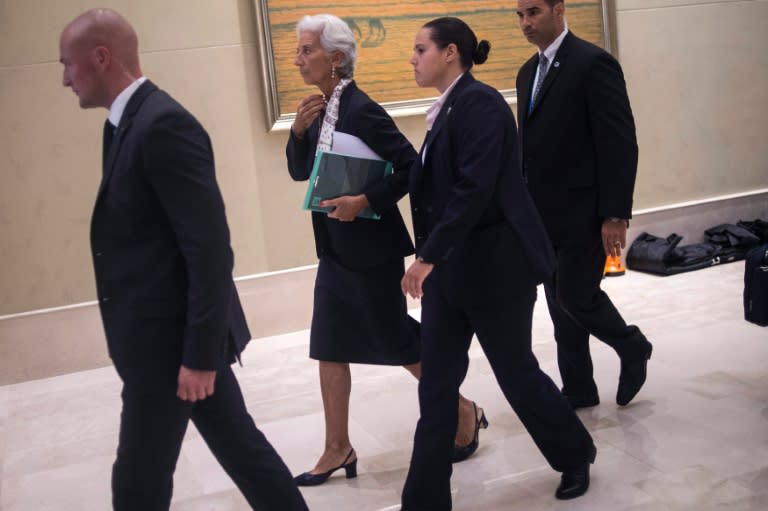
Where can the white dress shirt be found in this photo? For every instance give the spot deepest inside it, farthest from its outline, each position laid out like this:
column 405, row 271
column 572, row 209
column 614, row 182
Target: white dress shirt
column 121, row 101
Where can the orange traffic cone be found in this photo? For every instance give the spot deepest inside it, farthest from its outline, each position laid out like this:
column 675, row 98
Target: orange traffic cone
column 613, row 267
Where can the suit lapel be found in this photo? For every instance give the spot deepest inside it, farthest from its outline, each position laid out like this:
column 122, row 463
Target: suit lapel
column 344, row 102
column 525, row 89
column 110, row 157
column 445, row 111
column 554, row 71
column 419, row 168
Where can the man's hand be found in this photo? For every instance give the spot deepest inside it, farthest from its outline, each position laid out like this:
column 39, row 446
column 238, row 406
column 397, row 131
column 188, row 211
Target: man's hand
column 614, row 235
column 414, row 278
column 194, row 384
column 346, row 207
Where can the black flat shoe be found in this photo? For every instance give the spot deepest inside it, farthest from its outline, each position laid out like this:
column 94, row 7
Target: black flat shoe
column 632, row 376
column 460, row 453
column 575, row 483
column 309, row 479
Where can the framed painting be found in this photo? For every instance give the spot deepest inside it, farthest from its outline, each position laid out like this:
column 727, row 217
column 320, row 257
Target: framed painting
column 385, row 31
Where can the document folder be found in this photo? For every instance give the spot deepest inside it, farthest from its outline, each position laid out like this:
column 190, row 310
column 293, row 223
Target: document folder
column 336, row 174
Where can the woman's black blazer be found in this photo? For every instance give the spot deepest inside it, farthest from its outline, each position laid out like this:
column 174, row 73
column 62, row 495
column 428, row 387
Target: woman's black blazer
column 363, row 243
column 472, row 214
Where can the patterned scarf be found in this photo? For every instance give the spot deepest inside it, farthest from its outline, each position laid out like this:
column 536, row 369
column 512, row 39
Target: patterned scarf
column 331, row 116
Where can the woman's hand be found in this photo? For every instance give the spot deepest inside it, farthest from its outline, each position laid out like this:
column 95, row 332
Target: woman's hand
column 413, row 280
column 346, row 207
column 306, row 113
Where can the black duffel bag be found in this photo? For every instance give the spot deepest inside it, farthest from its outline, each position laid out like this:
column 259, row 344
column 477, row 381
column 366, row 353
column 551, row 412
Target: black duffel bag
column 664, row 256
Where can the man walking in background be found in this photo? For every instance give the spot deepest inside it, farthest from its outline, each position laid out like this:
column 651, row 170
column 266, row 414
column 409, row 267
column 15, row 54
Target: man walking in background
column 579, row 155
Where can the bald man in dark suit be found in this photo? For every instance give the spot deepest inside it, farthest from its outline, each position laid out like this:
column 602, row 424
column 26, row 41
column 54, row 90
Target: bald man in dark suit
column 163, row 265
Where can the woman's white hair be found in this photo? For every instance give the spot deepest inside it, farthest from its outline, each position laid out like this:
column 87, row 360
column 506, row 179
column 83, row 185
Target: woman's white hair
column 335, row 35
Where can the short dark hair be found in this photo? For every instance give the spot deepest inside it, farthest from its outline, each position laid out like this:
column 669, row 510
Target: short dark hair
column 552, row 3
column 445, row 31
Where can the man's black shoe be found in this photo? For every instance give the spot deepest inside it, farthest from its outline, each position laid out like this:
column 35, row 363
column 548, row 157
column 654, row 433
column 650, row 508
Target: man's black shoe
column 632, row 377
column 575, row 482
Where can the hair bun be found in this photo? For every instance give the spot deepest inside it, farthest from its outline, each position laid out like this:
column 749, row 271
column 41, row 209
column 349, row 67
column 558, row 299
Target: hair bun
column 480, row 54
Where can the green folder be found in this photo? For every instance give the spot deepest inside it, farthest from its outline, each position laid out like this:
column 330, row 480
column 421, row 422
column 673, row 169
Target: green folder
column 335, row 174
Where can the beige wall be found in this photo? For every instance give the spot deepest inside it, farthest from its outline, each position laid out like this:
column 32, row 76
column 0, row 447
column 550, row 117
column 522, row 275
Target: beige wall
column 697, row 73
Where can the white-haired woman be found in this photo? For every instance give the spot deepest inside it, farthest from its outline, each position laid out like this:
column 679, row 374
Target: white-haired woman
column 360, row 313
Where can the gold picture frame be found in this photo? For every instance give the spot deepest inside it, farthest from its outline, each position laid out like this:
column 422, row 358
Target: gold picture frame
column 385, row 33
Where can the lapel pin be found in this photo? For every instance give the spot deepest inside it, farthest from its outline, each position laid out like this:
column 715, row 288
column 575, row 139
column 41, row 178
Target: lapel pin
column 557, row 63
column 447, row 112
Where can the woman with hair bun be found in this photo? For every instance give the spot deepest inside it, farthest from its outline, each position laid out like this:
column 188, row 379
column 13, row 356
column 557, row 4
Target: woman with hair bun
column 481, row 250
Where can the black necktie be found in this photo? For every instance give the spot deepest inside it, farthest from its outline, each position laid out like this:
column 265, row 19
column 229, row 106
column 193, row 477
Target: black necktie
column 109, row 135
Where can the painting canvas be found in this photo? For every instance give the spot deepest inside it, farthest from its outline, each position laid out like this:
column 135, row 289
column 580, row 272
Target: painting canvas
column 385, row 32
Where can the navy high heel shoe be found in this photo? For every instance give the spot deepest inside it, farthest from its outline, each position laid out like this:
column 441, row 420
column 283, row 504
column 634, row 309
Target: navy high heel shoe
column 460, row 453
column 309, row 479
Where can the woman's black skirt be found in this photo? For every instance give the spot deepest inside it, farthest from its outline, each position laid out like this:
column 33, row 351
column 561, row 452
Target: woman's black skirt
column 360, row 316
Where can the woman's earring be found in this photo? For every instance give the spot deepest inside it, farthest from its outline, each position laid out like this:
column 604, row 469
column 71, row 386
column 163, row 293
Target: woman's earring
column 333, row 73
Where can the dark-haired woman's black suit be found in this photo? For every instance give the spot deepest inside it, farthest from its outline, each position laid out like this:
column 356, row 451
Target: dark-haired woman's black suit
column 474, row 220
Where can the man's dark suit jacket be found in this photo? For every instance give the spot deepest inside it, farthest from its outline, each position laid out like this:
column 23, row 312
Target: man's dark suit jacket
column 578, row 145
column 363, row 243
column 472, row 213
column 161, row 248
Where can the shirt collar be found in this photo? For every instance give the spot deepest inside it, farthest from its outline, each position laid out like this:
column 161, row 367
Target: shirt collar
column 121, row 101
column 551, row 50
column 434, row 110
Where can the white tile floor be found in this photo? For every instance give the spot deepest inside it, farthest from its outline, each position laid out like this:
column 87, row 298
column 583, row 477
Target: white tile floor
column 696, row 438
